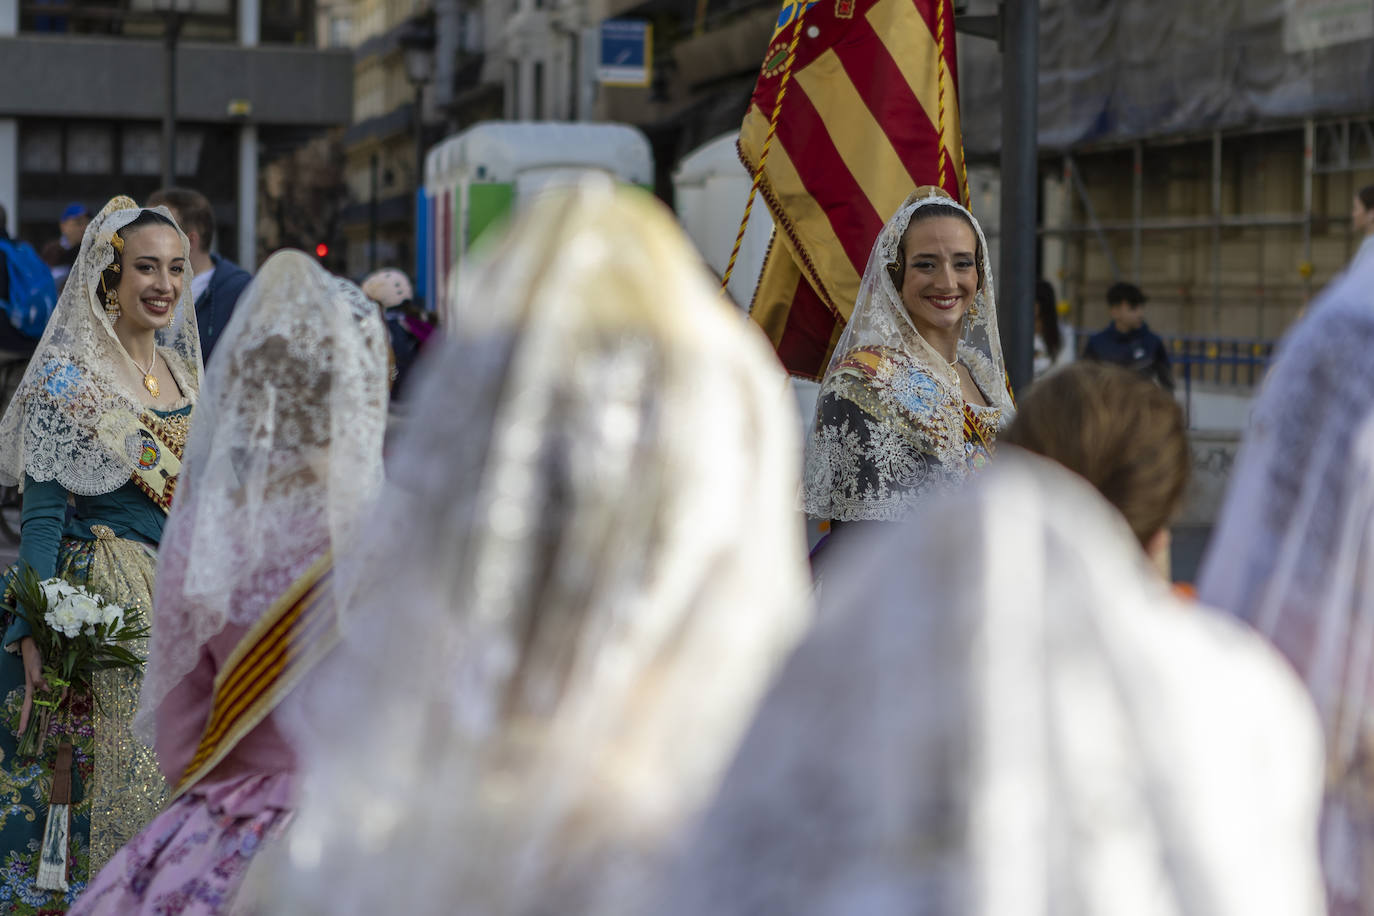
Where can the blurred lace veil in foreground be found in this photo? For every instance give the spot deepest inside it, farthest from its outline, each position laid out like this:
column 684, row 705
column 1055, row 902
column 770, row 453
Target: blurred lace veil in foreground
column 1002, row 709
column 586, row 566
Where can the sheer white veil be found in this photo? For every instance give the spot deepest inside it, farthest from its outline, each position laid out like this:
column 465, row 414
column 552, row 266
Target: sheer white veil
column 285, row 450
column 1002, row 709
column 880, row 320
column 585, row 566
column 1293, row 549
column 72, row 416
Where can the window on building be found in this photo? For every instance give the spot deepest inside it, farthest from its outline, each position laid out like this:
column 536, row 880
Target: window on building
column 41, row 150
column 90, row 150
column 340, row 31
column 141, row 151
column 539, row 90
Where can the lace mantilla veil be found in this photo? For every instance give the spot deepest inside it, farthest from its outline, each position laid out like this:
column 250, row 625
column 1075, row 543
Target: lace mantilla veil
column 1046, row 732
column 914, row 380
column 1293, row 549
column 71, row 419
column 585, row 567
column 285, row 450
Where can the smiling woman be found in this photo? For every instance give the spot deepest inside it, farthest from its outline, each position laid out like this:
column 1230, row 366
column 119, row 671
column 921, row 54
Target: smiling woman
column 99, row 421
column 140, row 300
column 916, row 392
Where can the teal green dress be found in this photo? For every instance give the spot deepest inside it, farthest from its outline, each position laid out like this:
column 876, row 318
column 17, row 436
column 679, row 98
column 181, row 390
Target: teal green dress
column 112, row 560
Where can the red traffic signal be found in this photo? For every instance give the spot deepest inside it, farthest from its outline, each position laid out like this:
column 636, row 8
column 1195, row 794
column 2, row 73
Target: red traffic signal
column 321, row 250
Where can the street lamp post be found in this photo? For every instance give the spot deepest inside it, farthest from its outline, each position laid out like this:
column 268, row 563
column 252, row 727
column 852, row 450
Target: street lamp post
column 172, row 19
column 173, row 14
column 417, row 47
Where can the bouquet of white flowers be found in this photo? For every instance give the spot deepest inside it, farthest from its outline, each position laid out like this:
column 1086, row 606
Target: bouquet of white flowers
column 77, row 633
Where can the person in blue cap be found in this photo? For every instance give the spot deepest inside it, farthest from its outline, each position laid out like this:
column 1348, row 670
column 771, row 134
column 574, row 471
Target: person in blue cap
column 60, row 254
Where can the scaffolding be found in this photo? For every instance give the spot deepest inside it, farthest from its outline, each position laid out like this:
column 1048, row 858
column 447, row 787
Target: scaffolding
column 1206, row 149
column 1191, row 240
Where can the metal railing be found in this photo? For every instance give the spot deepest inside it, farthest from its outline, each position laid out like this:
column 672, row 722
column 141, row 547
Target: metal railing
column 1219, row 360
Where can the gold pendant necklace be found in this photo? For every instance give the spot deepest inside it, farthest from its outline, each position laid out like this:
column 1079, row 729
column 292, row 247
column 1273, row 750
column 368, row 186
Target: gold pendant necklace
column 150, row 380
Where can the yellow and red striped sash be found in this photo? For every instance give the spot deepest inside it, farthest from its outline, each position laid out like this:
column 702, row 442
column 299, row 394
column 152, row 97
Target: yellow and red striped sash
column 976, row 431
column 295, row 632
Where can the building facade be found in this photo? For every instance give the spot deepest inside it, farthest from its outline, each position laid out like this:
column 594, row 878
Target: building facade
column 83, row 115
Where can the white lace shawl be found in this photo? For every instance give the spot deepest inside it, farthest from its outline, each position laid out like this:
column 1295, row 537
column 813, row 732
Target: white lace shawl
column 1293, row 549
column 584, row 568
column 898, row 432
column 285, row 450
column 1003, row 709
column 71, row 419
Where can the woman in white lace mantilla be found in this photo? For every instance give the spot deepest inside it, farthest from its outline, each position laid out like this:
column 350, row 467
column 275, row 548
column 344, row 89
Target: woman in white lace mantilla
column 916, row 392
column 100, row 419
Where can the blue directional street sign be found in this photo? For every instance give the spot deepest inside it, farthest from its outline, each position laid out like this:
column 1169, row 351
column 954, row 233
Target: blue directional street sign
column 626, row 56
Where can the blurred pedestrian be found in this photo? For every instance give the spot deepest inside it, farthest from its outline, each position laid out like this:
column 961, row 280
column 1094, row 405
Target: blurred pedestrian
column 1001, row 710
column 94, row 437
column 286, row 447
column 1128, row 341
column 1362, row 221
column 583, row 570
column 217, row 282
column 1054, row 340
column 407, row 325
column 32, row 293
column 1293, row 551
column 1125, row 436
column 60, row 253
column 916, row 392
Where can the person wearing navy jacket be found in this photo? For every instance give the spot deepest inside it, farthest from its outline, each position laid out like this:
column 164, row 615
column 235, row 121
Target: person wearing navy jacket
column 1128, row 340
column 216, row 282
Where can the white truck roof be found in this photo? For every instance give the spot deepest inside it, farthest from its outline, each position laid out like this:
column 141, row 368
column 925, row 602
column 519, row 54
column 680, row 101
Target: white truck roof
column 498, row 151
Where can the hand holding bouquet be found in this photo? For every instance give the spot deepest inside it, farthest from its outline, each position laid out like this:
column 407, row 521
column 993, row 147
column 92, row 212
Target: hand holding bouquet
column 76, row 633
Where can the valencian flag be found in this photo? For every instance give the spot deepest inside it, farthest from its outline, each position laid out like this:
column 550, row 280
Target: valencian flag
column 869, row 112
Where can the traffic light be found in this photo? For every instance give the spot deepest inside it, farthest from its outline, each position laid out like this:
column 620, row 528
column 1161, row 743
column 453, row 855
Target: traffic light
column 321, row 250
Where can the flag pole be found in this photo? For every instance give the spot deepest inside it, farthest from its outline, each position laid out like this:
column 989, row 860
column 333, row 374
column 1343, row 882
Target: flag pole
column 767, row 142
column 1020, row 179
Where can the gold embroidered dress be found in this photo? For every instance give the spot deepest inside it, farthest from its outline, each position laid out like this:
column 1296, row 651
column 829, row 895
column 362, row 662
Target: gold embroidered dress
column 892, row 425
column 77, row 433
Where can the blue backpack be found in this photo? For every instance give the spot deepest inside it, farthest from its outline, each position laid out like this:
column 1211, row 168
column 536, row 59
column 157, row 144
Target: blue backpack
column 33, row 295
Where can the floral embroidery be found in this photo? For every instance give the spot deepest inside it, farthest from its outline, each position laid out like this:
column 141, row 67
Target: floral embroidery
column 190, row 859
column 887, row 435
column 915, row 390
column 61, row 379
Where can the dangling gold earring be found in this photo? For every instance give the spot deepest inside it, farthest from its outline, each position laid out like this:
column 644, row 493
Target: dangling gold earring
column 112, row 304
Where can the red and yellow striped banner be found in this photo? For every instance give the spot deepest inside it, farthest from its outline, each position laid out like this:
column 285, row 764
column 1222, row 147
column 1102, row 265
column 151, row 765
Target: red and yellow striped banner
column 296, row 631
column 869, row 111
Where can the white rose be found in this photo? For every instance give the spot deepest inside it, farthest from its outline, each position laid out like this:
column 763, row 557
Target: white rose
column 63, row 619
column 83, row 609
column 55, row 590
column 112, row 616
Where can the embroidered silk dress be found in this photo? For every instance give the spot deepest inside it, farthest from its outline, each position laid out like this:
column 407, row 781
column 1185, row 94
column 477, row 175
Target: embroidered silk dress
column 108, row 546
column 892, row 425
